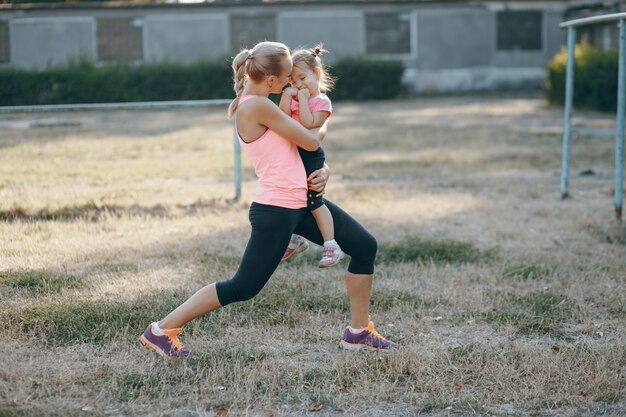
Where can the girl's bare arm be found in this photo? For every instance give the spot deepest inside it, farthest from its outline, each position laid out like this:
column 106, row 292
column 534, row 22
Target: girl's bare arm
column 312, row 120
column 269, row 115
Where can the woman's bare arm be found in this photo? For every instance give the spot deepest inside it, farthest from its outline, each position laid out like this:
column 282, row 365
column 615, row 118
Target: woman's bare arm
column 269, row 115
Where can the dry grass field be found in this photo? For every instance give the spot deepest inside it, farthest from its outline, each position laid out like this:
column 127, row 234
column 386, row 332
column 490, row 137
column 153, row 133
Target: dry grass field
column 506, row 300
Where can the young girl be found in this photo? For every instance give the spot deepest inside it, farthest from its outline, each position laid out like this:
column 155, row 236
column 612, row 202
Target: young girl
column 270, row 138
column 306, row 102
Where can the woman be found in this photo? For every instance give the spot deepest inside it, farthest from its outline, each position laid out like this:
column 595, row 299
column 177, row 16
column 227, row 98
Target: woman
column 270, row 138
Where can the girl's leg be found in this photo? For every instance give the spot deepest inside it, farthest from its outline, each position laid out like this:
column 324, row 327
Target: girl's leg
column 332, row 254
column 353, row 238
column 324, row 221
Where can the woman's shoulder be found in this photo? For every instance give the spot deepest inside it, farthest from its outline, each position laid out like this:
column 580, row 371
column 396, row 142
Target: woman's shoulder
column 254, row 100
column 255, row 104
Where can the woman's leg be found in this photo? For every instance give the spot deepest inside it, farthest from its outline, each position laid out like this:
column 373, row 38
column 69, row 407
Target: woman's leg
column 202, row 302
column 357, row 242
column 271, row 230
column 359, row 292
column 361, row 246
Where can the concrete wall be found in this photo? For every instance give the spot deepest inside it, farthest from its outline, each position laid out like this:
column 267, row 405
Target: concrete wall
column 455, row 38
column 51, row 41
column 453, row 46
column 186, row 38
column 341, row 31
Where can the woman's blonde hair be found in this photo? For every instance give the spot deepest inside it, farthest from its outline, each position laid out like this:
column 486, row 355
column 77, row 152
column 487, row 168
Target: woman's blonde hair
column 310, row 58
column 264, row 60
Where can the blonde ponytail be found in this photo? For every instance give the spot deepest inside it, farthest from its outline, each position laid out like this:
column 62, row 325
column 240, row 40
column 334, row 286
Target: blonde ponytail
column 239, row 78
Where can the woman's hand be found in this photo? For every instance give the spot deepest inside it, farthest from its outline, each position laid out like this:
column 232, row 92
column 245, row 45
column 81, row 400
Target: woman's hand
column 318, row 179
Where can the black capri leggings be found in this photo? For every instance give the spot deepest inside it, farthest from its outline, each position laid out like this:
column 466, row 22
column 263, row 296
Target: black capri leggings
column 272, row 227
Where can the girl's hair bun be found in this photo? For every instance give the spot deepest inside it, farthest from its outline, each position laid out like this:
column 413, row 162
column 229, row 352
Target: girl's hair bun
column 318, row 50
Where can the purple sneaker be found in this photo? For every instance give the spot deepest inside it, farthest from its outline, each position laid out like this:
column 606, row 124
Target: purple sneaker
column 368, row 338
column 167, row 345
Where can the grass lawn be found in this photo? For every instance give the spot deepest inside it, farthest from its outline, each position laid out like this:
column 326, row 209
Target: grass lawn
column 506, row 300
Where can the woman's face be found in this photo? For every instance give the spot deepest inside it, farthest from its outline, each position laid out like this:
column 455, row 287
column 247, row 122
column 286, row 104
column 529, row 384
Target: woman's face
column 302, row 77
column 281, row 80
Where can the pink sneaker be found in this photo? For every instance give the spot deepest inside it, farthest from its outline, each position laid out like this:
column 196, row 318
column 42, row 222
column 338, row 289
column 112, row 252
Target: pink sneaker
column 297, row 244
column 331, row 255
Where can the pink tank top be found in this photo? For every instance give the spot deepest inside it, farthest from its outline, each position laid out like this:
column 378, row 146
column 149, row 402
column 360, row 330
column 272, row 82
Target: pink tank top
column 282, row 178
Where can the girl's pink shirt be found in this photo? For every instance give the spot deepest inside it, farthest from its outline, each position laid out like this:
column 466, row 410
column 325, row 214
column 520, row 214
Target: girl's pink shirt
column 277, row 163
column 320, row 102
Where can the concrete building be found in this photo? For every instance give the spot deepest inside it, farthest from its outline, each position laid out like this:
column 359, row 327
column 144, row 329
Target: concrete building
column 445, row 45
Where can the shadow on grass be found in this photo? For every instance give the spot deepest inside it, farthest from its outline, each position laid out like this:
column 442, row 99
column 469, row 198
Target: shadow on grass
column 39, row 282
column 613, row 233
column 43, row 282
column 95, row 212
column 78, row 320
column 288, row 305
column 74, row 320
column 21, row 411
column 533, row 313
column 528, row 272
column 444, row 251
column 414, row 249
column 285, row 301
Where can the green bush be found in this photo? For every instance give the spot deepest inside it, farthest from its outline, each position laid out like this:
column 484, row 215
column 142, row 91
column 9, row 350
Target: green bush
column 595, row 78
column 364, row 79
column 84, row 82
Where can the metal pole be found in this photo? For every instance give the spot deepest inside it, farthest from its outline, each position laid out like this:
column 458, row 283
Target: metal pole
column 567, row 118
column 237, row 161
column 619, row 130
column 141, row 105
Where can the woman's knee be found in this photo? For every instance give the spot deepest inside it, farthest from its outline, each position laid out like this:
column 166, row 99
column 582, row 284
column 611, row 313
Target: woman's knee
column 364, row 257
column 369, row 247
column 245, row 294
column 231, row 291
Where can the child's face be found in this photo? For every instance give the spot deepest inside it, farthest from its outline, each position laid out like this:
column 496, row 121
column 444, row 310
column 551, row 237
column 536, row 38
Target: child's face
column 302, row 77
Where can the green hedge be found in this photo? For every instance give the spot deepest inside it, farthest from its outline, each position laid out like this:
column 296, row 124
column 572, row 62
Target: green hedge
column 86, row 83
column 595, row 78
column 364, row 79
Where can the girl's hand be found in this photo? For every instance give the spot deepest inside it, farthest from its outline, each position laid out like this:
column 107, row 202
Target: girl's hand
column 304, row 94
column 318, row 179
